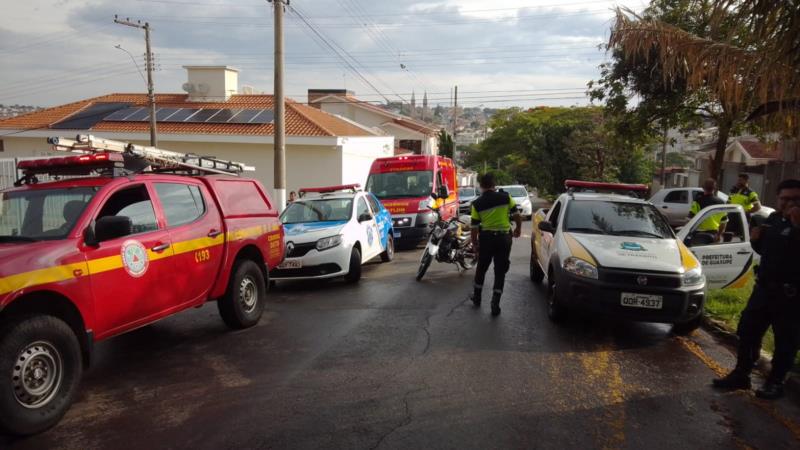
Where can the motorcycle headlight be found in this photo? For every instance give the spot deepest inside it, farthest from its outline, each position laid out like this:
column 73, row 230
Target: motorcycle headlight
column 329, row 242
column 693, row 277
column 580, row 267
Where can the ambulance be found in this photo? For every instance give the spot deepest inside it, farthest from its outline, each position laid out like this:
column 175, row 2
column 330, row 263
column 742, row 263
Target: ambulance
column 404, row 185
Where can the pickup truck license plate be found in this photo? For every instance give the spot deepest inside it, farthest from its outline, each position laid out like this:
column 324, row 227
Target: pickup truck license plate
column 291, row 264
column 641, row 300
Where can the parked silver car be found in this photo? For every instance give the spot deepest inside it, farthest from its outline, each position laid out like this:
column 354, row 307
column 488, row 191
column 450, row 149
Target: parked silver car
column 466, row 195
column 675, row 203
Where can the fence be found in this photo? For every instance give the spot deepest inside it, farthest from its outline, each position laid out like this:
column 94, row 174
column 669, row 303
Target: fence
column 9, row 173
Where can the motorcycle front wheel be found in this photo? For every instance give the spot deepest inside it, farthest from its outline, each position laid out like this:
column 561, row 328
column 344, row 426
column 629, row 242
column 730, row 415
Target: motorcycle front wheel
column 424, row 263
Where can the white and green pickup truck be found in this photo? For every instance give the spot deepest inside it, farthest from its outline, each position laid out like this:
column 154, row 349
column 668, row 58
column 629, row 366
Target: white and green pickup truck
column 616, row 255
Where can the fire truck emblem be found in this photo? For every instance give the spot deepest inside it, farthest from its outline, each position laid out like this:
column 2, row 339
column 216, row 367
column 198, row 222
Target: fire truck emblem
column 134, row 258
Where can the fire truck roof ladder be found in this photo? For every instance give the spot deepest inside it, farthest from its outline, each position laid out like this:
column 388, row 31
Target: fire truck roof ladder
column 158, row 159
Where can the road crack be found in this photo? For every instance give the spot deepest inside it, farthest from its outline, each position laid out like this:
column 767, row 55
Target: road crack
column 407, row 418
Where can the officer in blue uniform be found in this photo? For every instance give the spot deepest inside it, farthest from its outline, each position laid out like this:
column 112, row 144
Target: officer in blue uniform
column 775, row 300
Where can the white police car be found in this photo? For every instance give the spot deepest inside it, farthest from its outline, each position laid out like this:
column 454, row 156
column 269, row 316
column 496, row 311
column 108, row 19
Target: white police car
column 331, row 231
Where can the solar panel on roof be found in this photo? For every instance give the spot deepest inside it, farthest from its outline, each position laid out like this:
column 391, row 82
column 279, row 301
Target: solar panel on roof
column 224, row 115
column 182, row 114
column 203, row 115
column 88, row 117
column 121, row 114
column 163, row 114
column 143, row 114
column 245, row 116
column 265, row 116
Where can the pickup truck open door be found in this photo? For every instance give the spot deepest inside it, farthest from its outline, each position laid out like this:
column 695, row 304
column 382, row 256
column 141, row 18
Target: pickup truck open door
column 726, row 262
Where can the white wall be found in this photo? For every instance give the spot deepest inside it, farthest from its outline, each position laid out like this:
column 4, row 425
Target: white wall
column 358, row 155
column 306, row 165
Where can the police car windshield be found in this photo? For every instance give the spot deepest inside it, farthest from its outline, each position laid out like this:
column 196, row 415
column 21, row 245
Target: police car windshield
column 418, row 183
column 318, row 210
column 41, row 214
column 616, row 218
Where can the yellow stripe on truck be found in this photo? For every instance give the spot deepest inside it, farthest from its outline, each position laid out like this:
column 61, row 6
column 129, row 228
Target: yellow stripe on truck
column 688, row 260
column 578, row 250
column 65, row 272
column 42, row 276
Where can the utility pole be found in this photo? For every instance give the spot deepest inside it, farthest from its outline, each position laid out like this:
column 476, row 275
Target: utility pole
column 151, row 92
column 664, row 159
column 455, row 122
column 280, row 109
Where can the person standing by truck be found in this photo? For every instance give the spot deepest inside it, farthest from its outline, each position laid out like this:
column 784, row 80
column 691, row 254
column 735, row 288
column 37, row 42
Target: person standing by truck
column 741, row 194
column 491, row 237
column 775, row 300
column 716, row 223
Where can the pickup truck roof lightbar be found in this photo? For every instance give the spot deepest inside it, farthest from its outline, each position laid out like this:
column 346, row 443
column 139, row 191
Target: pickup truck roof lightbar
column 329, row 189
column 635, row 190
column 157, row 159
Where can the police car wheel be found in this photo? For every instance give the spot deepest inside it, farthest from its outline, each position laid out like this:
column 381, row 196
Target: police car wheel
column 388, row 255
column 40, row 369
column 354, row 271
column 243, row 304
column 555, row 308
column 536, row 272
column 683, row 329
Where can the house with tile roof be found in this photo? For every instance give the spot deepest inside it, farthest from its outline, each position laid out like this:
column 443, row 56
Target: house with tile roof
column 410, row 135
column 213, row 119
column 752, row 152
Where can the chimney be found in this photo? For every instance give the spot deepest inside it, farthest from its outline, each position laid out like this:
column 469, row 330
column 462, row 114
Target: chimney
column 316, row 94
column 211, row 83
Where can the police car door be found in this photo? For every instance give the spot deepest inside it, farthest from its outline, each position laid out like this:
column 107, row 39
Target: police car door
column 548, row 239
column 726, row 263
column 368, row 230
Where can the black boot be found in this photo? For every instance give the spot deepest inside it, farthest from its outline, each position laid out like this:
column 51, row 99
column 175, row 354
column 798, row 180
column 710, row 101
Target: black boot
column 771, row 390
column 733, row 381
column 496, row 304
column 476, row 298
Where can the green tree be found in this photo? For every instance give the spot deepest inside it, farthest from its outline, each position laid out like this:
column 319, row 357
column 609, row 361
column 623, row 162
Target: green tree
column 446, row 144
column 719, row 60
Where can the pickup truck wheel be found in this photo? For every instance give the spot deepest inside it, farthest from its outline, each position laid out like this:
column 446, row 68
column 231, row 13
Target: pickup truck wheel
column 244, row 302
column 354, row 271
column 388, row 255
column 40, row 369
column 684, row 329
column 536, row 272
column 555, row 308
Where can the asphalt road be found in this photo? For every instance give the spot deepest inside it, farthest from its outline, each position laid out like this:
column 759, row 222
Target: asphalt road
column 392, row 363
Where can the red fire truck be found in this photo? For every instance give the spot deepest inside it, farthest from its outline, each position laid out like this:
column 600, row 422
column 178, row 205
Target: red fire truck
column 138, row 235
column 404, row 185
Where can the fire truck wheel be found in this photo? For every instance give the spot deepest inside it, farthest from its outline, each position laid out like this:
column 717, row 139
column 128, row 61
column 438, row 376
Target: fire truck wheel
column 243, row 304
column 40, row 369
column 354, row 271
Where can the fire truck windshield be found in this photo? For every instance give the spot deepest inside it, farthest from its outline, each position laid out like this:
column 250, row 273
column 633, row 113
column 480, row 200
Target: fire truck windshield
column 41, row 214
column 401, row 184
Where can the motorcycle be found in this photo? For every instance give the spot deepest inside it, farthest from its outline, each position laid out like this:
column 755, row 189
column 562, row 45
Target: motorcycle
column 448, row 242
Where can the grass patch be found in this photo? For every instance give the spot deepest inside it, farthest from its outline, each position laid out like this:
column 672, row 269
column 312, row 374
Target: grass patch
column 726, row 305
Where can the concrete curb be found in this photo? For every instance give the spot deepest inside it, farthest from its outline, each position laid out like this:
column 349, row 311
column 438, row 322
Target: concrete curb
column 720, row 331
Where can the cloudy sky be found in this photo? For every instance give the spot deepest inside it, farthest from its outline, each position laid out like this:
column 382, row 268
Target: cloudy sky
column 499, row 53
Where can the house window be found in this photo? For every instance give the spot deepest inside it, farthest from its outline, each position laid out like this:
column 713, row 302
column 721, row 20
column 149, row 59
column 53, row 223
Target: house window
column 2, row 148
column 411, row 145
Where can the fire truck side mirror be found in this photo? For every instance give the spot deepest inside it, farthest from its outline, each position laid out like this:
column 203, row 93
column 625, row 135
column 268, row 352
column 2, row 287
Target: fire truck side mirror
column 107, row 228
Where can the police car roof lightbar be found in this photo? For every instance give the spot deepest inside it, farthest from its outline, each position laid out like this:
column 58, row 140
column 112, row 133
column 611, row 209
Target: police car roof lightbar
column 328, row 189
column 156, row 158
